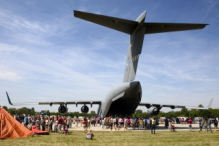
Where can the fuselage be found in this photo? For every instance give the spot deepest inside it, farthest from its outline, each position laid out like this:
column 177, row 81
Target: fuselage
column 122, row 100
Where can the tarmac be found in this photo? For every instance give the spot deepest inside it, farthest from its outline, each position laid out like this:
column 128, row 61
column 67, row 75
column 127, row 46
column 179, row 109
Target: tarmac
column 160, row 127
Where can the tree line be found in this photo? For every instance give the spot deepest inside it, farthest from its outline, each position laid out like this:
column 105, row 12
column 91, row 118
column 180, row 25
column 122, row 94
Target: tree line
column 210, row 113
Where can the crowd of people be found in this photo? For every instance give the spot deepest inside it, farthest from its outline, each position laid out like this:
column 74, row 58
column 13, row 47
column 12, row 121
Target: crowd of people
column 46, row 123
column 118, row 123
column 204, row 123
column 61, row 124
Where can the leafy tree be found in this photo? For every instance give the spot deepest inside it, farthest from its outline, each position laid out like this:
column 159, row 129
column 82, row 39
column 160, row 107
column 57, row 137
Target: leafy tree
column 200, row 105
column 6, row 108
column 93, row 113
column 185, row 112
column 12, row 111
column 138, row 111
column 205, row 113
column 214, row 113
column 193, row 113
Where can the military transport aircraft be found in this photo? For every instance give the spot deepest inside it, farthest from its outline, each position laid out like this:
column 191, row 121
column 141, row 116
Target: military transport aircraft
column 126, row 97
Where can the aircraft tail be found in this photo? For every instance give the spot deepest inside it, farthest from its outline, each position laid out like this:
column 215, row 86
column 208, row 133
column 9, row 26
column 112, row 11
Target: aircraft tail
column 136, row 30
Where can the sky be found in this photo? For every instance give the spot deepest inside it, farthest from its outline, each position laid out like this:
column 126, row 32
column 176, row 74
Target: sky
column 46, row 54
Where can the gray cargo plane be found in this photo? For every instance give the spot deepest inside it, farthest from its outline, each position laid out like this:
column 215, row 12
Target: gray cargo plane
column 126, row 97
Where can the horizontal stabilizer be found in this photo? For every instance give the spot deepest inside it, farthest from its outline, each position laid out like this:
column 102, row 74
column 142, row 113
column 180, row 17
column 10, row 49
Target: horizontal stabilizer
column 123, row 25
column 169, row 27
column 128, row 26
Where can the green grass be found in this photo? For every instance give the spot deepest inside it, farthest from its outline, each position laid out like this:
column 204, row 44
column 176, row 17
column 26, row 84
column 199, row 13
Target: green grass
column 119, row 138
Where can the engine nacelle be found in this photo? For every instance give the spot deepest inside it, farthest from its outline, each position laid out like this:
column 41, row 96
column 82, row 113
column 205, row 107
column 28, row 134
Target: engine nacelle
column 84, row 109
column 155, row 111
column 63, row 109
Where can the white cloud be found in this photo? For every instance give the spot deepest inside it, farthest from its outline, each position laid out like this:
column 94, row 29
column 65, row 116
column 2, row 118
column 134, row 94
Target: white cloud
column 8, row 75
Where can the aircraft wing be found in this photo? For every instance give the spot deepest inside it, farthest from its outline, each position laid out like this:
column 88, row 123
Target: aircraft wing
column 169, row 27
column 159, row 106
column 53, row 103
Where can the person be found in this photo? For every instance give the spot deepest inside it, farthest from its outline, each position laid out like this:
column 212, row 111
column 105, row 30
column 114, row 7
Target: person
column 200, row 123
column 76, row 121
column 128, row 122
column 47, row 124
column 144, row 123
column 153, row 125
column 88, row 123
column 60, row 123
column 43, row 124
column 38, row 121
column 133, row 123
column 215, row 124
column 25, row 120
column 64, row 122
column 140, row 124
column 116, row 123
column 177, row 121
column 205, row 124
column 125, row 124
column 111, row 123
column 103, row 123
column 148, row 123
column 209, row 123
column 93, row 121
column 190, row 123
column 166, row 123
column 173, row 128
column 51, row 124
column 85, row 123
column 89, row 135
column 65, row 131
column 170, row 123
column 56, row 127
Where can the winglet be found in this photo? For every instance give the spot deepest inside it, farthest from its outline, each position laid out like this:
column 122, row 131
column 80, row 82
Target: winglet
column 8, row 98
column 210, row 103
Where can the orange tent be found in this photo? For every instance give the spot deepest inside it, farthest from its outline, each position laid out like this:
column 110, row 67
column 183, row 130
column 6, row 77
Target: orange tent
column 10, row 127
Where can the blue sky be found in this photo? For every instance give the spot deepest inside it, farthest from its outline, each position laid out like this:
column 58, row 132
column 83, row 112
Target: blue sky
column 46, row 54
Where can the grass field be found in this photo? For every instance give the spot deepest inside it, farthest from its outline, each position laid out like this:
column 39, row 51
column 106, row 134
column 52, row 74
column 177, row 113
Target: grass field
column 119, row 138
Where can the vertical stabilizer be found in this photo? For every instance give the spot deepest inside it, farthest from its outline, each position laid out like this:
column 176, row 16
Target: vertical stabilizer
column 134, row 49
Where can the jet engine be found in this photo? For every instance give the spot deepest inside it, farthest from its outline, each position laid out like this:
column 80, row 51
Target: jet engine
column 84, row 109
column 155, row 111
column 63, row 109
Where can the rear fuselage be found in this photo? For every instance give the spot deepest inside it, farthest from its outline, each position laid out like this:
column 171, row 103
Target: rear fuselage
column 122, row 100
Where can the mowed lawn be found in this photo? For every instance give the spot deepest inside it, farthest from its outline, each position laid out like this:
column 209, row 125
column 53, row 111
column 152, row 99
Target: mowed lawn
column 119, row 138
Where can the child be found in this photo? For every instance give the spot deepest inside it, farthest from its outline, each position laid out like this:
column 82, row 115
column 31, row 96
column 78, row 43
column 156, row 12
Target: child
column 65, row 131
column 89, row 135
column 172, row 128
